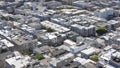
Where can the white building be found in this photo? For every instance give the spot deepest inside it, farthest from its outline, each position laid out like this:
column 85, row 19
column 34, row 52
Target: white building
column 89, row 52
column 76, row 49
column 54, row 61
column 53, row 4
column 81, row 60
column 104, row 13
column 69, row 43
column 54, row 26
column 84, row 30
column 112, row 25
column 18, row 61
column 79, row 39
column 105, row 58
column 68, row 1
column 81, row 4
column 52, row 37
column 114, row 40
column 9, row 45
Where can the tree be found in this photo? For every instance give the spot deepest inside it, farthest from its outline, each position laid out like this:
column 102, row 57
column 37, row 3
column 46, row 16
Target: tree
column 101, row 30
column 94, row 58
column 49, row 30
column 39, row 56
column 26, row 52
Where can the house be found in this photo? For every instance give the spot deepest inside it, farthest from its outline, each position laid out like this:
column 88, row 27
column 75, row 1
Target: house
column 77, row 48
column 9, row 45
column 80, row 4
column 10, row 0
column 17, row 61
column 86, row 53
column 82, row 61
column 68, row 42
column 42, row 50
column 54, row 62
column 67, row 1
column 54, row 26
column 52, row 4
column 112, row 25
column 106, row 54
column 58, row 53
column 69, row 63
column 105, row 13
column 79, row 39
column 24, row 42
column 84, row 30
column 53, row 38
column 115, row 60
column 90, row 65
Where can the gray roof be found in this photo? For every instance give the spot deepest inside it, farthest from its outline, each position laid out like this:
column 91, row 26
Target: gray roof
column 4, row 55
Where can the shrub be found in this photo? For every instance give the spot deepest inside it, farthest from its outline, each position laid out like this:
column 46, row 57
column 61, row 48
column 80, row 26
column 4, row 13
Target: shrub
column 101, row 30
column 40, row 56
column 26, row 53
column 94, row 58
column 49, row 30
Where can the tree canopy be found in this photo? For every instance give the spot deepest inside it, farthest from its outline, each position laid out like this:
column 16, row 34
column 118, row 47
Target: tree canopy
column 94, row 58
column 49, row 30
column 40, row 56
column 101, row 30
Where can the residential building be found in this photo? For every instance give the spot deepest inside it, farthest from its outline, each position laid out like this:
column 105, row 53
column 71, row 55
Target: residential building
column 54, row 26
column 84, row 30
column 86, row 53
column 17, row 61
column 105, row 13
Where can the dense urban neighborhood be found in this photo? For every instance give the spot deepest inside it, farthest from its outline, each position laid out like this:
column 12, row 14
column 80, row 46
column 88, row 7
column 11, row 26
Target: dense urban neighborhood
column 59, row 33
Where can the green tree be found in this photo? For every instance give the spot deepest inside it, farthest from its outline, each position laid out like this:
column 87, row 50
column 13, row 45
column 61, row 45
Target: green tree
column 49, row 30
column 39, row 56
column 94, row 58
column 101, row 30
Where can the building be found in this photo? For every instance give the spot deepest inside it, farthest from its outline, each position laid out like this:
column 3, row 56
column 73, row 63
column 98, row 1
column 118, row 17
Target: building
column 86, row 53
column 80, row 4
column 54, row 61
column 84, row 30
column 69, row 63
column 82, row 61
column 105, row 13
column 9, row 45
column 53, row 38
column 52, row 4
column 69, row 43
column 17, row 61
column 80, row 39
column 115, row 60
column 78, row 48
column 112, row 25
column 54, row 26
column 107, row 59
column 10, row 0
column 24, row 42
column 114, row 40
column 58, row 52
column 42, row 50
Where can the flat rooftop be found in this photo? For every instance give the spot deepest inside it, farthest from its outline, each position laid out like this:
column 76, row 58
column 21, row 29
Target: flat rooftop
column 89, row 51
column 18, row 60
column 7, row 43
column 54, row 26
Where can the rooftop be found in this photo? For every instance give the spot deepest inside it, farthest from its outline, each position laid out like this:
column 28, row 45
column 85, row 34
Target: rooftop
column 54, row 26
column 7, row 43
column 89, row 51
column 18, row 61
